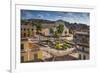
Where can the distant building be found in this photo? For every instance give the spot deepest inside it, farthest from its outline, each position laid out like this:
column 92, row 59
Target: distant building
column 28, row 30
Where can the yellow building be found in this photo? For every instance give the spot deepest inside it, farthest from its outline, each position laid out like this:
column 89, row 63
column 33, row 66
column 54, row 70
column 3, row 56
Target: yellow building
column 30, row 52
column 27, row 30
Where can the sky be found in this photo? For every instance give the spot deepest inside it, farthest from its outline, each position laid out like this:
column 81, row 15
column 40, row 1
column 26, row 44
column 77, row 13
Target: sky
column 72, row 17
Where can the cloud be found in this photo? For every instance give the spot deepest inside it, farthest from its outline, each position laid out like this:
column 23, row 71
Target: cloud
column 51, row 15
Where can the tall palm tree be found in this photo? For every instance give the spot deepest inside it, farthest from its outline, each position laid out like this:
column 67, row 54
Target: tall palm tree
column 33, row 25
column 38, row 29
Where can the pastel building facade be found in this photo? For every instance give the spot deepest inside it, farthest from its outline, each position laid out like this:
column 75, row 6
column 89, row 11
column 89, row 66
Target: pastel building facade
column 30, row 52
column 81, row 39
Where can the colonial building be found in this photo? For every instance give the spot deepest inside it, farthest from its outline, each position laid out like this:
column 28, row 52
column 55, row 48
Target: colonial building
column 45, row 32
column 81, row 40
column 46, row 28
column 66, row 30
column 30, row 51
column 27, row 30
column 81, row 37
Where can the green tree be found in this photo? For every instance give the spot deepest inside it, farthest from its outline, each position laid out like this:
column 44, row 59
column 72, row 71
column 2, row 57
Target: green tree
column 55, row 35
column 51, row 31
column 33, row 25
column 38, row 29
column 60, row 29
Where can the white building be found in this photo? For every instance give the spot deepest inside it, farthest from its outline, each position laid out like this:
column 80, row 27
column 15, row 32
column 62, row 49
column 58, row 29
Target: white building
column 81, row 39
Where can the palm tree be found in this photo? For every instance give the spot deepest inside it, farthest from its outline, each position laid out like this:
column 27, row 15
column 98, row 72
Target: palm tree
column 38, row 29
column 33, row 25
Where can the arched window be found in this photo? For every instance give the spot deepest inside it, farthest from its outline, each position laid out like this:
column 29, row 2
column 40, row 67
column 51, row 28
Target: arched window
column 22, row 46
column 84, row 57
column 24, row 34
column 22, row 58
column 32, row 29
column 80, row 56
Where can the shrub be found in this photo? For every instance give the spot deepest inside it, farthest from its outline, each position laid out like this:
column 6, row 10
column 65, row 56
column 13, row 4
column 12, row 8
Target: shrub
column 58, row 45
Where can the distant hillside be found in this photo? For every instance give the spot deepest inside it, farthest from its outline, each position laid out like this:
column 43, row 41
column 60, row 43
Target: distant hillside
column 45, row 23
column 41, row 21
column 77, row 26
